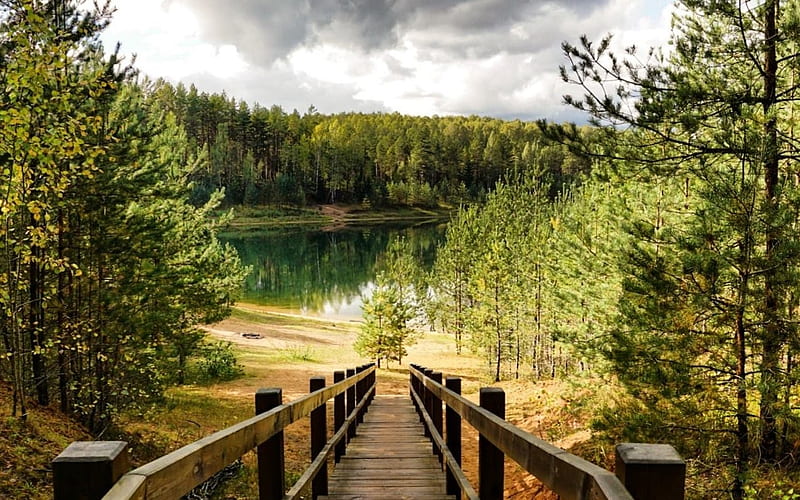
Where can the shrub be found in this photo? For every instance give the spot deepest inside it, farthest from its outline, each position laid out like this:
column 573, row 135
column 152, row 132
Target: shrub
column 218, row 362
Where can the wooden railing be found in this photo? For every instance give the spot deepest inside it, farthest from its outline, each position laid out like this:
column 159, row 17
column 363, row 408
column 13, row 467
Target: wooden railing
column 98, row 469
column 644, row 471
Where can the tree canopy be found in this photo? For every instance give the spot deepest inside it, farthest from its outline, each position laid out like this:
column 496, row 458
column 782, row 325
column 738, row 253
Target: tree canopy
column 706, row 325
column 267, row 155
column 107, row 269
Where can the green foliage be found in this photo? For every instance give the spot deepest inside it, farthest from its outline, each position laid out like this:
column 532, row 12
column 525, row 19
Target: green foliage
column 301, row 352
column 771, row 492
column 491, row 285
column 217, row 363
column 704, row 339
column 394, row 304
column 109, row 269
column 261, row 155
column 385, row 333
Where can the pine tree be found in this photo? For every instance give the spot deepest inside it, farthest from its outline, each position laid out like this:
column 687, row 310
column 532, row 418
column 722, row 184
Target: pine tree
column 449, row 278
column 707, row 297
column 385, row 333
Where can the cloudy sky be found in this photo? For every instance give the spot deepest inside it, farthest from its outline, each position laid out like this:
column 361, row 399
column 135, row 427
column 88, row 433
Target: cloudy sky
column 423, row 57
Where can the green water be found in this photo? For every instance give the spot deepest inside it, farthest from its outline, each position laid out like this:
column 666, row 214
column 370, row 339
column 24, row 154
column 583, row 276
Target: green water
column 324, row 273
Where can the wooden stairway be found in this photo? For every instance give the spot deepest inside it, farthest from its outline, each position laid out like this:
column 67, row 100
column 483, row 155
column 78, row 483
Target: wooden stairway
column 390, row 458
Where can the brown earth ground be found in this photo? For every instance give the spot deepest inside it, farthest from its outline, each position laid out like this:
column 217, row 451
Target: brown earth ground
column 290, row 351
column 298, row 348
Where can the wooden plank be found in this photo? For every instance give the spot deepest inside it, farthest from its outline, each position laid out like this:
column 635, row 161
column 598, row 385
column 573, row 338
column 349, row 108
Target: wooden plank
column 390, row 491
column 370, row 474
column 381, row 496
column 379, row 462
column 389, row 458
column 361, row 482
column 388, row 464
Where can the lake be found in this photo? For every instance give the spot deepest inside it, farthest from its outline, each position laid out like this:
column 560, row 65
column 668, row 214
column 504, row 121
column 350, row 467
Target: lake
column 324, row 273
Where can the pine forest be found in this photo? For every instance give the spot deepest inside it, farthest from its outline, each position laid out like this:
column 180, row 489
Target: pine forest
column 652, row 250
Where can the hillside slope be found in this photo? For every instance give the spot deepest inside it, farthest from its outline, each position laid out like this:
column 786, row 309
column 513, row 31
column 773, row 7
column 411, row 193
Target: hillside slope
column 27, row 447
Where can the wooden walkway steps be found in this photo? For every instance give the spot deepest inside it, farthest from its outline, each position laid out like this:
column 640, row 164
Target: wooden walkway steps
column 389, row 458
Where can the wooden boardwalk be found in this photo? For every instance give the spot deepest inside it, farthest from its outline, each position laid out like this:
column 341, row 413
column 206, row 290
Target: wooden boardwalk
column 389, row 458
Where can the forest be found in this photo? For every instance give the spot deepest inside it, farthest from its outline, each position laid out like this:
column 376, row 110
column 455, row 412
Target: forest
column 107, row 269
column 656, row 249
column 268, row 156
column 669, row 268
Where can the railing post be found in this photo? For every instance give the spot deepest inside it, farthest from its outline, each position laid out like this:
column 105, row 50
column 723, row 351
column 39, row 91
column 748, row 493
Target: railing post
column 411, row 386
column 338, row 416
column 373, row 382
column 436, row 413
column 86, row 470
column 453, row 430
column 351, row 404
column 271, row 464
column 319, row 435
column 651, row 471
column 367, row 385
column 490, row 458
column 421, row 391
column 416, row 387
column 426, row 399
column 360, row 395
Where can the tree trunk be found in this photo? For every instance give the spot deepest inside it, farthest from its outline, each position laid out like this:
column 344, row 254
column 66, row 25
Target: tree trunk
column 773, row 334
column 63, row 371
column 36, row 326
column 497, row 333
column 742, row 434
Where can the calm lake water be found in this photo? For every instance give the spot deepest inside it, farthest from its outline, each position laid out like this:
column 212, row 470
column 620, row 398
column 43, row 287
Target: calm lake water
column 324, row 273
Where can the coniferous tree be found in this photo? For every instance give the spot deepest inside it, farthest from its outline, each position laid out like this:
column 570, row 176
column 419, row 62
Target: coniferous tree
column 707, row 297
column 105, row 262
column 386, row 332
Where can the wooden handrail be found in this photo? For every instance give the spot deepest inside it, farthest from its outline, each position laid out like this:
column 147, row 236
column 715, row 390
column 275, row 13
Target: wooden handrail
column 320, row 461
column 177, row 473
column 568, row 475
column 449, row 459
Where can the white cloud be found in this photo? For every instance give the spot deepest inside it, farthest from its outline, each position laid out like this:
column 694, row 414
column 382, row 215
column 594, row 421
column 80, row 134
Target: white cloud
column 167, row 43
column 427, row 58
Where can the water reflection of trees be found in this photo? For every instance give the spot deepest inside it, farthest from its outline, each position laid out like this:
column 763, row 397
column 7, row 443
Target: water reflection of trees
column 307, row 269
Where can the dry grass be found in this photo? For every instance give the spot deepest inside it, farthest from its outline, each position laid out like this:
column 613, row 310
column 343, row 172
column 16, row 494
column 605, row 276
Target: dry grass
column 292, row 349
column 27, row 447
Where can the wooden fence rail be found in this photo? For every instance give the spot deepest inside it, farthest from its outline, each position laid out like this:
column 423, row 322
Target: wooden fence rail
column 646, row 471
column 91, row 470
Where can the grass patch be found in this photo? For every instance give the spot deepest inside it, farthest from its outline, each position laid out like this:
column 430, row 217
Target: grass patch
column 300, row 353
column 245, row 313
column 28, row 446
column 274, row 215
column 272, row 211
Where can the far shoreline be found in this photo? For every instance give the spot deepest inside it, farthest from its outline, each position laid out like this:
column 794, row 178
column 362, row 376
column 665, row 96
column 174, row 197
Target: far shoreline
column 329, row 216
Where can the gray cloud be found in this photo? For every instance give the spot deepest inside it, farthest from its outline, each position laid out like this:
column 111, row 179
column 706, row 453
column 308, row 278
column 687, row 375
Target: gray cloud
column 484, row 57
column 267, row 30
column 263, row 30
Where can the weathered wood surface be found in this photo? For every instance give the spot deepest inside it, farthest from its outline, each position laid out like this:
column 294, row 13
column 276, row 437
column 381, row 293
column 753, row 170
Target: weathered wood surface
column 571, row 477
column 175, row 474
column 389, row 458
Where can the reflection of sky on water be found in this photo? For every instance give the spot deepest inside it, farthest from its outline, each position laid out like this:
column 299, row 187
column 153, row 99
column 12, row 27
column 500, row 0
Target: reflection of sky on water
column 343, row 308
column 320, row 273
